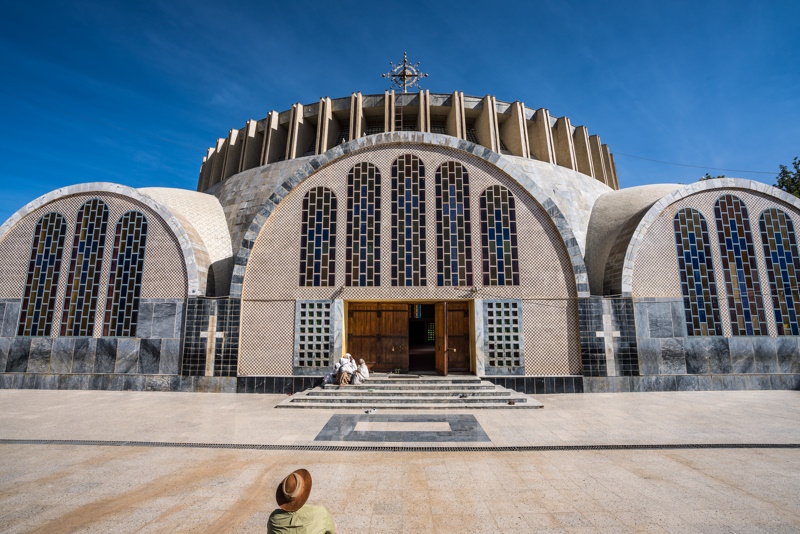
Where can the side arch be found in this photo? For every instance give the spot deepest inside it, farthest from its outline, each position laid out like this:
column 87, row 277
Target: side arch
column 192, row 248
column 502, row 163
column 698, row 187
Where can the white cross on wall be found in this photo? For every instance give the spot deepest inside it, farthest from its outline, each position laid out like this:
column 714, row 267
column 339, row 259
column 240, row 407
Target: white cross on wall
column 608, row 334
column 211, row 346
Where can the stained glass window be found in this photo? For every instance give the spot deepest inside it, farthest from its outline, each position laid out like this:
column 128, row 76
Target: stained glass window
column 363, row 258
column 318, row 238
column 409, row 260
column 41, row 287
column 783, row 264
column 696, row 269
column 453, row 227
column 125, row 276
column 83, row 282
column 499, row 237
column 742, row 285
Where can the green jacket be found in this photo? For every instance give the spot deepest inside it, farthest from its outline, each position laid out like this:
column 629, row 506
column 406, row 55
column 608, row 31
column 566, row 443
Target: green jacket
column 309, row 519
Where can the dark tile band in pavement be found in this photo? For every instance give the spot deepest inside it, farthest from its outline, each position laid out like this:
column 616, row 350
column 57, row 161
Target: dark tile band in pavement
column 463, row 428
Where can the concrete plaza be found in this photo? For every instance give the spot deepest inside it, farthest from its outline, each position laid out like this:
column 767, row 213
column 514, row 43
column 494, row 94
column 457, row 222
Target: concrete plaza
column 134, row 483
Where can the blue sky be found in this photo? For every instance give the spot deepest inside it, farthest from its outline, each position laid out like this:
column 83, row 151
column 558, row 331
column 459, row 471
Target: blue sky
column 134, row 92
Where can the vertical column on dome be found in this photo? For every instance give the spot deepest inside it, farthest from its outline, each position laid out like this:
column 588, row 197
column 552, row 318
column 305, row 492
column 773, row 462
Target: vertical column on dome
column 274, row 140
column 486, row 124
column 299, row 135
column 565, row 147
column 597, row 159
column 424, row 116
column 513, row 131
column 251, row 148
column 219, row 162
column 583, row 154
column 388, row 111
column 357, row 120
column 456, row 123
column 324, row 124
column 541, row 137
column 232, row 154
column 614, row 170
column 205, row 170
column 611, row 179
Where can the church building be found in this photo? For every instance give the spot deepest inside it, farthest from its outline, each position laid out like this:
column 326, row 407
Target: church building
column 423, row 232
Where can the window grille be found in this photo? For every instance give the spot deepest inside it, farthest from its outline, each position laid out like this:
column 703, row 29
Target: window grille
column 453, row 226
column 472, row 137
column 83, row 283
column 504, row 149
column 737, row 253
column 783, row 264
column 313, row 333
column 503, row 325
column 438, row 127
column 41, row 288
column 696, row 270
column 344, row 133
column 499, row 237
column 363, row 247
column 409, row 257
column 318, row 238
column 312, row 147
column 125, row 276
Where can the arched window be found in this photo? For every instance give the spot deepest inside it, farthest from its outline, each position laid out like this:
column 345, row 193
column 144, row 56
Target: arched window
column 696, row 268
column 453, row 227
column 125, row 276
column 409, row 260
column 363, row 258
column 318, row 238
column 742, row 284
column 783, row 265
column 41, row 288
column 83, row 282
column 499, row 237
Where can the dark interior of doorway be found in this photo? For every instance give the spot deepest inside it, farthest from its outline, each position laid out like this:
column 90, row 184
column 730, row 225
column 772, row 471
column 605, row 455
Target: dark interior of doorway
column 422, row 338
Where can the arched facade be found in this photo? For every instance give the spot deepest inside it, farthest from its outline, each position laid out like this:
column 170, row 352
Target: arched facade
column 546, row 296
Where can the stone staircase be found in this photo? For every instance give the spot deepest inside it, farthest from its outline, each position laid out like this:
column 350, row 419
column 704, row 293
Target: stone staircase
column 383, row 391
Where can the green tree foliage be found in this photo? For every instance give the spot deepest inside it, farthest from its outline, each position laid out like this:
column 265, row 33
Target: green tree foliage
column 709, row 177
column 790, row 181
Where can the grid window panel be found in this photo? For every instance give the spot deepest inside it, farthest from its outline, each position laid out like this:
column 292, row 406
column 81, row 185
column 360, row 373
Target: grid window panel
column 363, row 247
column 313, row 334
column 41, row 287
column 739, row 267
column 85, row 267
column 125, row 276
column 503, row 325
column 409, row 257
column 696, row 269
column 499, row 237
column 453, row 226
column 783, row 264
column 318, row 238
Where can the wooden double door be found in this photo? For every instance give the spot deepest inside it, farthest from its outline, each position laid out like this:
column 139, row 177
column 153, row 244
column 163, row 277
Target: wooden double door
column 378, row 333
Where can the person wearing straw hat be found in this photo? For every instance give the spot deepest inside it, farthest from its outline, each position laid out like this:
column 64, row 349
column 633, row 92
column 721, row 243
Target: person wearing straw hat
column 294, row 515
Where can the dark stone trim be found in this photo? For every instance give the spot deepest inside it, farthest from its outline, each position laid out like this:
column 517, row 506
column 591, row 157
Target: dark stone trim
column 118, row 382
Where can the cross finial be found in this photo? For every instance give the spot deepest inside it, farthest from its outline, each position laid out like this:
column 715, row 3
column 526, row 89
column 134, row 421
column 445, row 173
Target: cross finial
column 405, row 74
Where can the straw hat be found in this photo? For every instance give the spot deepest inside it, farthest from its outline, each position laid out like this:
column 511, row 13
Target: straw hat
column 293, row 491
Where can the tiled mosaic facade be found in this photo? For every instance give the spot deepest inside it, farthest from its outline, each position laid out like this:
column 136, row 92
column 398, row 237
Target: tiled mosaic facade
column 499, row 237
column 453, row 226
column 546, row 278
column 83, row 283
column 41, row 288
column 696, row 268
column 409, row 225
column 363, row 238
column 783, row 264
column 318, row 238
column 742, row 284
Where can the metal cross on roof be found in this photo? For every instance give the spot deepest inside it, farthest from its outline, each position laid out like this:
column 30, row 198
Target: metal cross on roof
column 405, row 75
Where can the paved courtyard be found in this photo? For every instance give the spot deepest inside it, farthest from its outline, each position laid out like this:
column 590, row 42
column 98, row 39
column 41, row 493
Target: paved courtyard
column 135, row 484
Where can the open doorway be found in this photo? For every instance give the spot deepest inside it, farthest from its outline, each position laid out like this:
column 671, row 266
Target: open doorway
column 422, row 337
